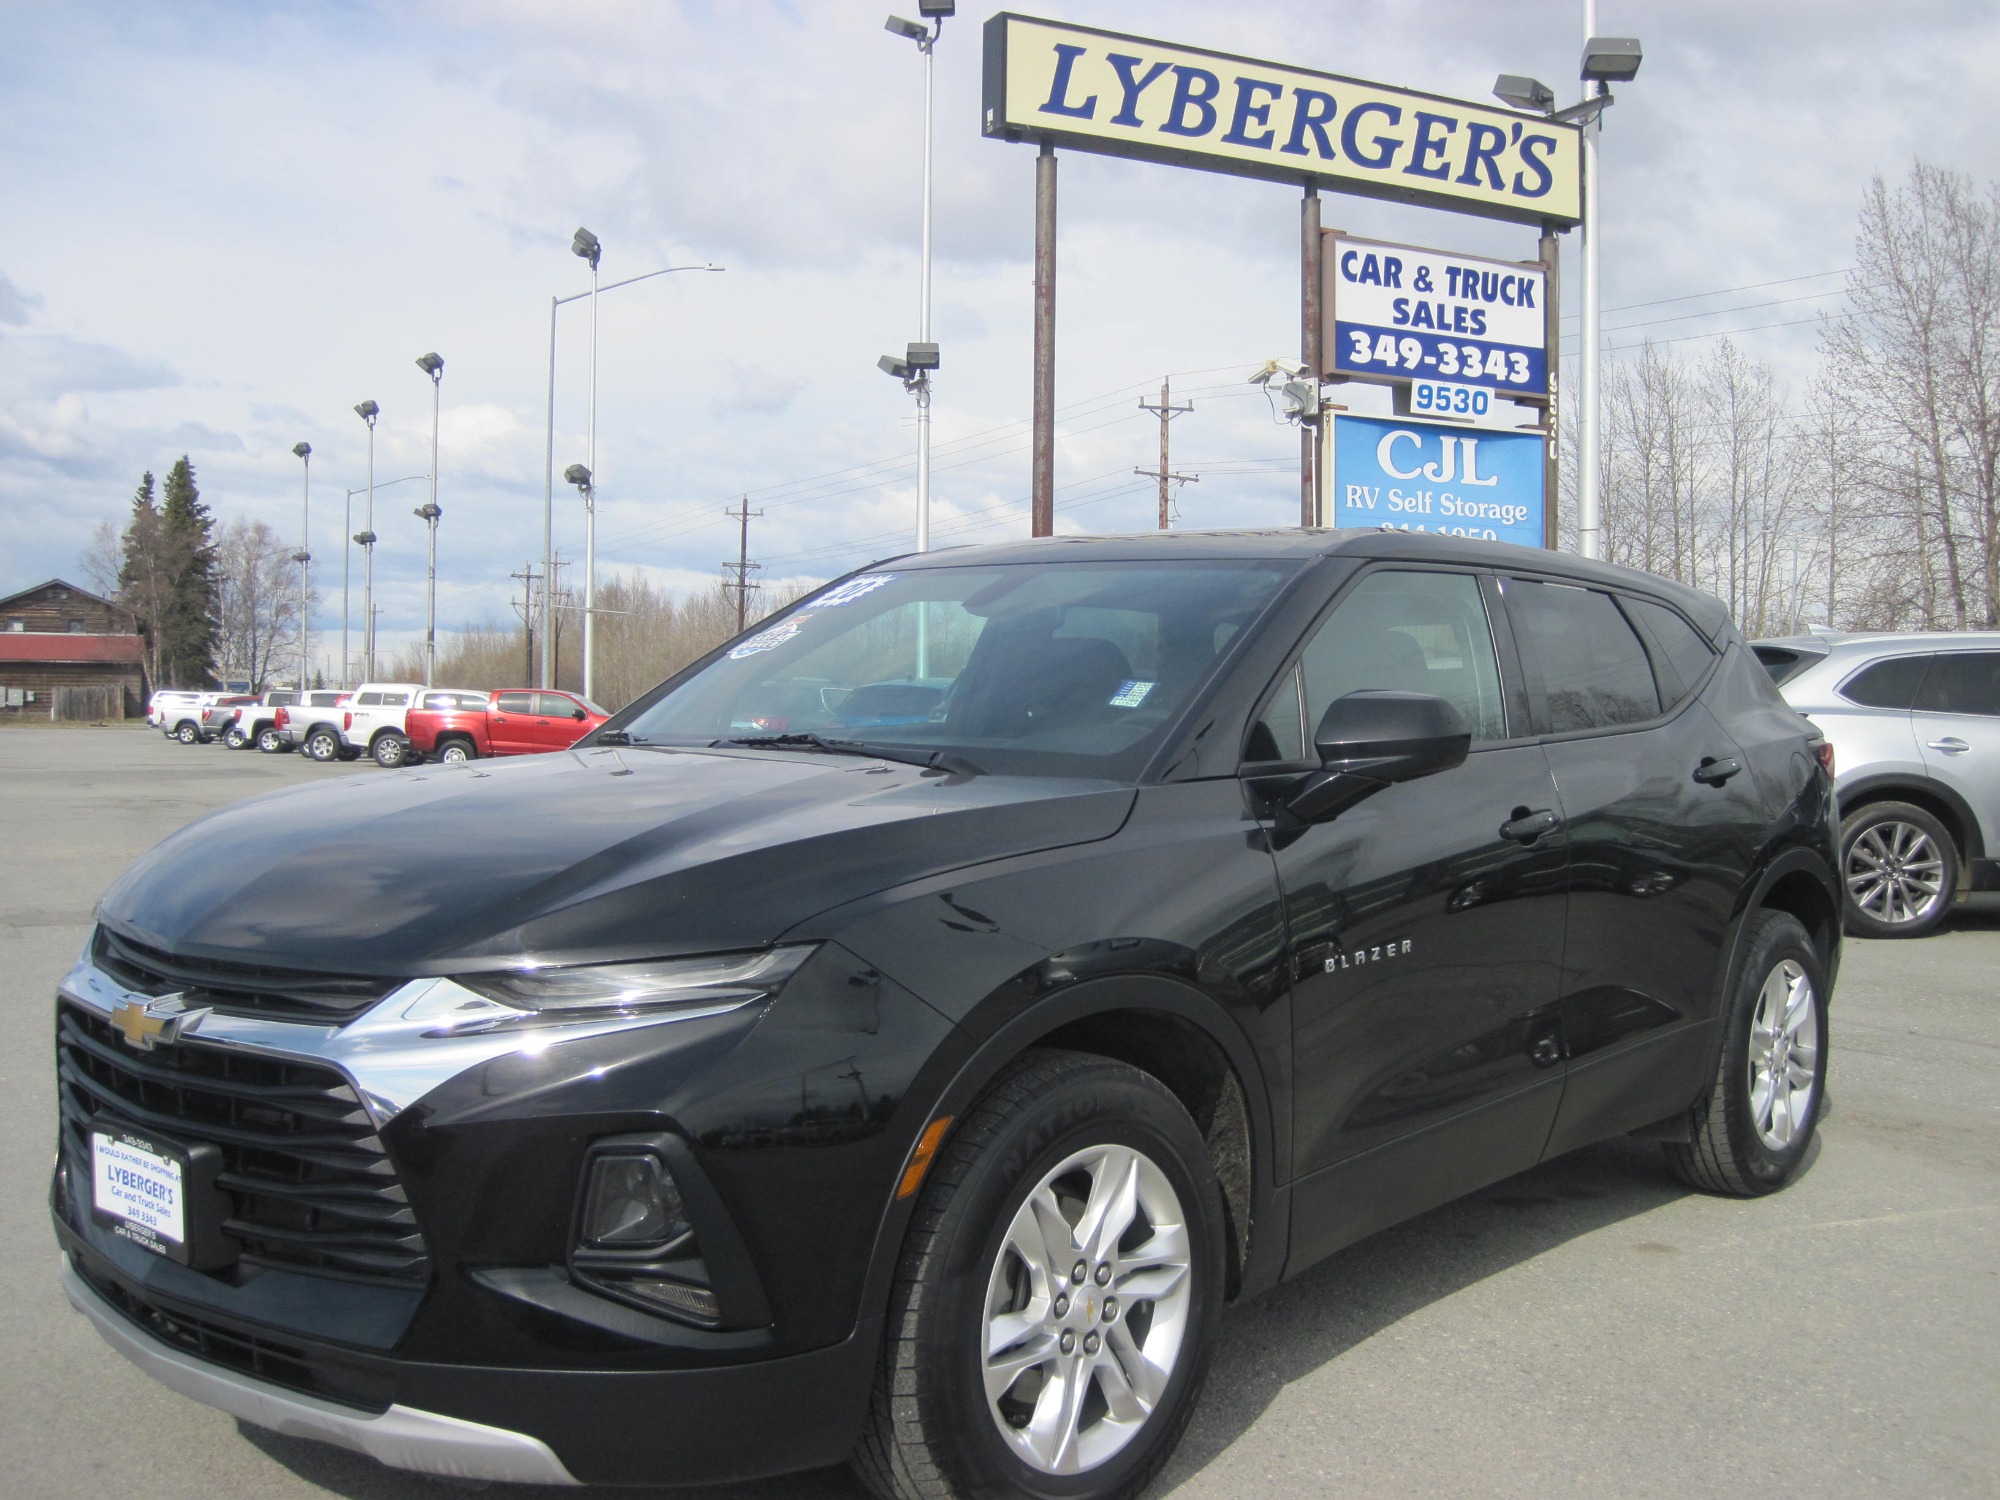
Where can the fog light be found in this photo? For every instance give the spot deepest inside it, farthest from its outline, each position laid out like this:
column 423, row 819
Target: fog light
column 632, row 1204
column 696, row 1304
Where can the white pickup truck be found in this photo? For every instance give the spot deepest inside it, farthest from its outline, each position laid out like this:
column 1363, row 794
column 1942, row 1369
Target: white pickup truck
column 372, row 722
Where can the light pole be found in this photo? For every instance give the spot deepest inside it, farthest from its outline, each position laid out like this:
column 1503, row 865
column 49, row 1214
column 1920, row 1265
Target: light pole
column 1606, row 60
column 585, row 244
column 548, row 672
column 368, row 411
column 303, row 557
column 919, row 382
column 586, row 486
column 432, row 365
column 365, row 539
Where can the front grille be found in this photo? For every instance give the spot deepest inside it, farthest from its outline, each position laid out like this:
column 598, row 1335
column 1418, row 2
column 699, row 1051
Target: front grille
column 256, row 1354
column 311, row 1187
column 237, row 988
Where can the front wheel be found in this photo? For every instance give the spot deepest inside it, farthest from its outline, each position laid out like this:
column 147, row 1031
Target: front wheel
column 1749, row 1134
column 1900, row 867
column 1058, row 1294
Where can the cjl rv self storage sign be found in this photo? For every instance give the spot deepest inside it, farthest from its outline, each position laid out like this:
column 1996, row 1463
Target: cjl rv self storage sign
column 1424, row 476
column 1092, row 90
column 1395, row 312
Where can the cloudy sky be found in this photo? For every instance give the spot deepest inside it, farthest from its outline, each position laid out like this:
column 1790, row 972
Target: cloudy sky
column 225, row 224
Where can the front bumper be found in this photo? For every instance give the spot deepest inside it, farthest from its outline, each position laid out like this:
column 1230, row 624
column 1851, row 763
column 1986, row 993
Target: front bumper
column 402, row 1437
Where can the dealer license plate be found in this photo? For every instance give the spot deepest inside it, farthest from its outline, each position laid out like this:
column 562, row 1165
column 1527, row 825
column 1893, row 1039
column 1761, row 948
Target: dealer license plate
column 141, row 1185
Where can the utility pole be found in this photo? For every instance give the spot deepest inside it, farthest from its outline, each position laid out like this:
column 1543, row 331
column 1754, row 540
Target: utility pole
column 552, row 591
column 743, row 567
column 525, row 607
column 1167, row 411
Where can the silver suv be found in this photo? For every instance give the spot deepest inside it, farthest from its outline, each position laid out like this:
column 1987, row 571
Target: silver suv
column 1914, row 721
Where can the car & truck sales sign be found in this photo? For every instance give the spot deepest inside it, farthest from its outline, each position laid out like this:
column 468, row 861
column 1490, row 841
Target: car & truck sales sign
column 1400, row 313
column 1422, row 476
column 1122, row 95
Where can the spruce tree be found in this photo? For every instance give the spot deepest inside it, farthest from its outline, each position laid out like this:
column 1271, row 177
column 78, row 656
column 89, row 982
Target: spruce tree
column 190, row 627
column 146, row 574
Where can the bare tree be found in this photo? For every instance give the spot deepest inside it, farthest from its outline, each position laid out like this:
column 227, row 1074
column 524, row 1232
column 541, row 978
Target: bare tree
column 257, row 600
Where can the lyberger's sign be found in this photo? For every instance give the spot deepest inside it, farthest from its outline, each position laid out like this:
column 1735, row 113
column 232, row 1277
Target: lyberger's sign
column 1126, row 96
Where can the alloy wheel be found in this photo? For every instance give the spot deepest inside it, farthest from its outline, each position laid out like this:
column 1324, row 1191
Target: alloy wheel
column 1784, row 1055
column 269, row 743
column 1087, row 1309
column 1895, row 873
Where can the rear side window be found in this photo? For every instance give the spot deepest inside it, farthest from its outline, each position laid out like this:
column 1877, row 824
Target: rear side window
column 368, row 700
column 515, row 703
column 1595, row 674
column 1962, row 682
column 1782, row 663
column 1887, row 684
column 1687, row 654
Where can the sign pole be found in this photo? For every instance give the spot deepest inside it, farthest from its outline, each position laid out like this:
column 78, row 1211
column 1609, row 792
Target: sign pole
column 1552, row 322
column 1309, row 335
column 1042, row 518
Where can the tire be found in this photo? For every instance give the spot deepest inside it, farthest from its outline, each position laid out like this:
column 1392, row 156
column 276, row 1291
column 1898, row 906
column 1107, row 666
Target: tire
column 271, row 742
column 187, row 734
column 456, row 753
column 1747, row 1137
column 1064, row 1128
column 323, row 745
column 390, row 750
column 1899, row 868
column 235, row 738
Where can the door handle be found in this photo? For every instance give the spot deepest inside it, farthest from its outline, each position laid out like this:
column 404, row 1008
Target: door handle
column 1951, row 744
column 1713, row 772
column 1525, row 827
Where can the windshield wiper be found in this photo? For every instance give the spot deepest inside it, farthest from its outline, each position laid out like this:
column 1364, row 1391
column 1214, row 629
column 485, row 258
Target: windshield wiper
column 930, row 760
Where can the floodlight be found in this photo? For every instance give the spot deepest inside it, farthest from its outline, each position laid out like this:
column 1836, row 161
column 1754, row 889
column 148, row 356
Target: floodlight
column 431, row 364
column 368, row 411
column 1524, row 93
column 577, row 475
column 910, row 29
column 937, row 10
column 888, row 364
column 365, row 538
column 584, row 244
column 428, row 512
column 303, row 450
column 921, row 357
column 1611, row 59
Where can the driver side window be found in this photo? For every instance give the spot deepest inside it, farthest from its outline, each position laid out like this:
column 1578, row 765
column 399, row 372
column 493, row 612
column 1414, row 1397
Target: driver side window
column 1417, row 632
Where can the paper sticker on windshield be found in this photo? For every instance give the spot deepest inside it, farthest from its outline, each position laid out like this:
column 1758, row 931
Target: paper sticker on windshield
column 854, row 588
column 764, row 640
column 1130, row 694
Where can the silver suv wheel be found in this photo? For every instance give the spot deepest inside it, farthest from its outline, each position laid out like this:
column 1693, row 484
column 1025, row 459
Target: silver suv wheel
column 1086, row 1309
column 1895, row 873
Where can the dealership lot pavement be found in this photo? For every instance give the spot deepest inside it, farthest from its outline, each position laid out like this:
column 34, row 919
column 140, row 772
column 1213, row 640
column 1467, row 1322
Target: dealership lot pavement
column 1588, row 1328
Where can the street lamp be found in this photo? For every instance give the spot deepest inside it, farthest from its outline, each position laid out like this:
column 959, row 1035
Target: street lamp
column 432, row 365
column 303, row 557
column 583, row 243
column 1606, row 59
column 368, row 411
column 549, row 476
column 918, row 382
column 580, row 476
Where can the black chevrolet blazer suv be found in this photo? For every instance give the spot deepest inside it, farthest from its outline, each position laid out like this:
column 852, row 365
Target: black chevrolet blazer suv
column 896, row 1037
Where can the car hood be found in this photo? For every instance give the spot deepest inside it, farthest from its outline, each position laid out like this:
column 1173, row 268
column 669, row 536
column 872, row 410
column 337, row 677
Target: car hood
column 578, row 856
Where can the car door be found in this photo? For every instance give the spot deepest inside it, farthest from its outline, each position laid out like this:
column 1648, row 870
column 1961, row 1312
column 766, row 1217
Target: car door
column 1957, row 723
column 1424, row 924
column 557, row 726
column 511, row 723
column 1665, row 821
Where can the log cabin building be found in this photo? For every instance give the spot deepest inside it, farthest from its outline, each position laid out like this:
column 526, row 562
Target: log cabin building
column 56, row 635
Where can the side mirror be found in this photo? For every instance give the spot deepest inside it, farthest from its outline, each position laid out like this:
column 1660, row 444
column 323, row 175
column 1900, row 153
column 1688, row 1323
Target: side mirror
column 578, row 714
column 1373, row 739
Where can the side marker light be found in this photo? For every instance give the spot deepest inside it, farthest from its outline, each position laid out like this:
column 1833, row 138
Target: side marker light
column 920, row 1159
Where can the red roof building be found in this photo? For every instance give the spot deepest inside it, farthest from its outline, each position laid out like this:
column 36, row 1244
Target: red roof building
column 66, row 653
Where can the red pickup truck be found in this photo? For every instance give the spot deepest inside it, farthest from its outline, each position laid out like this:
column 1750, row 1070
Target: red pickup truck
column 453, row 724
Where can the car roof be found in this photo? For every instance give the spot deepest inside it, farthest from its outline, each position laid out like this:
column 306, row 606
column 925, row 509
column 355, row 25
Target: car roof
column 1307, row 543
column 1874, row 642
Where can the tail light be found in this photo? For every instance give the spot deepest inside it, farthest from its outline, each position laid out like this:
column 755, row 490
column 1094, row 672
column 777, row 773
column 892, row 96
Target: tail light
column 237, row 717
column 347, row 721
column 1823, row 751
column 283, row 719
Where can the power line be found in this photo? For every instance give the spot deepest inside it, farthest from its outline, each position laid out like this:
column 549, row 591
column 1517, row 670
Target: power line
column 1755, row 286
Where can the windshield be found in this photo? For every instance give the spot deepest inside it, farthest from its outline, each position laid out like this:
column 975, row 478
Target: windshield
column 1055, row 669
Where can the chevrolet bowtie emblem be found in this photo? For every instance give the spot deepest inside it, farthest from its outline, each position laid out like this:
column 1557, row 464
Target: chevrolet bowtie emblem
column 145, row 1024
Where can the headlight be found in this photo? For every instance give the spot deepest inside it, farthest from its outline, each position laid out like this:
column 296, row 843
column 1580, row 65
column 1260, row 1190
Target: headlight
column 592, row 992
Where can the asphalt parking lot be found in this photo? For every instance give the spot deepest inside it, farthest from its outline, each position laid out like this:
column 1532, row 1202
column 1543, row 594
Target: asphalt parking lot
column 1588, row 1328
